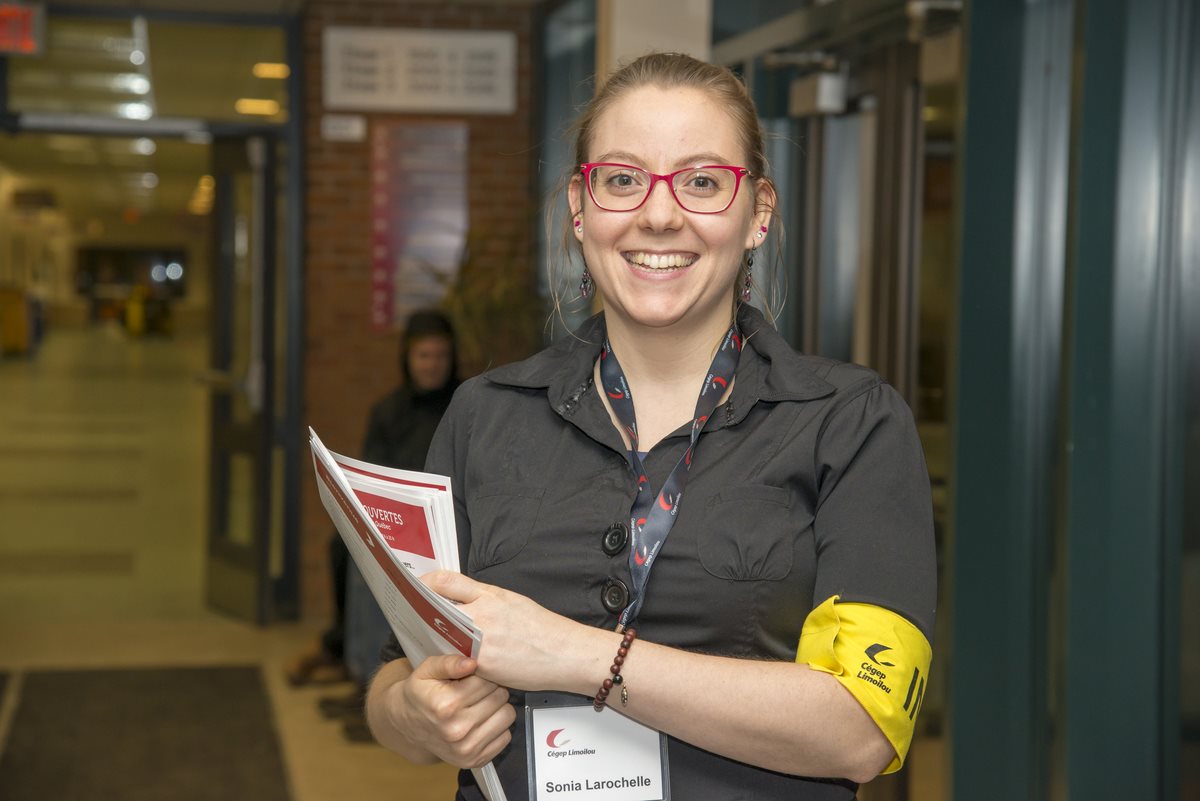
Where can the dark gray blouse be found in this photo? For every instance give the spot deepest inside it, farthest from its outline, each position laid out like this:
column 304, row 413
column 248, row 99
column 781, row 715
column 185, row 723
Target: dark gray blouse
column 808, row 482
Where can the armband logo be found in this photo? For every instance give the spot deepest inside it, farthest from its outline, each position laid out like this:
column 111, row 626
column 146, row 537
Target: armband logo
column 871, row 674
column 875, row 650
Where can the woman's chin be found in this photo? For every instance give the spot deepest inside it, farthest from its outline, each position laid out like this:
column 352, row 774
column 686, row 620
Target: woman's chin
column 671, row 314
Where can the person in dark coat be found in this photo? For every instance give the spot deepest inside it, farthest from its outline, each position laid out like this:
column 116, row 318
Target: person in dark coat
column 399, row 429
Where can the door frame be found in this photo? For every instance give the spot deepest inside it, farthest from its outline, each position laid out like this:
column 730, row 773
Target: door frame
column 281, row 592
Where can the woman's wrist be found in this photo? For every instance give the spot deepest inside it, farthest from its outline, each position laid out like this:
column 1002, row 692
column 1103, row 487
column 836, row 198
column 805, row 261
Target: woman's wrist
column 595, row 659
column 615, row 682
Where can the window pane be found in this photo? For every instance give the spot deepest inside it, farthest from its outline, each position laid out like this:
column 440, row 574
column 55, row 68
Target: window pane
column 137, row 70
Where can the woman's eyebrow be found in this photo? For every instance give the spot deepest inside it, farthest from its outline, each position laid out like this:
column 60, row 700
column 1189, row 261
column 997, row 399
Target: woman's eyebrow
column 701, row 160
column 693, row 160
column 618, row 155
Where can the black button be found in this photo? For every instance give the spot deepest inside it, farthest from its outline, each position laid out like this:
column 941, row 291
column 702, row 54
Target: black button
column 614, row 596
column 615, row 538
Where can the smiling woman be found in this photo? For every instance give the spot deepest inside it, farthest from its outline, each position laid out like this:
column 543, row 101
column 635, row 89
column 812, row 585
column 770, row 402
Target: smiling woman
column 763, row 517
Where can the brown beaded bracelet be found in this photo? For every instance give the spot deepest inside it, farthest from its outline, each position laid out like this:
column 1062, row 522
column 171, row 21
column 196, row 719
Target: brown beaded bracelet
column 606, row 687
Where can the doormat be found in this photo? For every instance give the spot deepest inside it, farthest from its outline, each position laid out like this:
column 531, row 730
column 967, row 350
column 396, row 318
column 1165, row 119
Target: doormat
column 170, row 734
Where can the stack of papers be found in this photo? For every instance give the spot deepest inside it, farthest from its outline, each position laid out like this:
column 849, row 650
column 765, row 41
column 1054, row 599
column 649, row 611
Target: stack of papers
column 399, row 525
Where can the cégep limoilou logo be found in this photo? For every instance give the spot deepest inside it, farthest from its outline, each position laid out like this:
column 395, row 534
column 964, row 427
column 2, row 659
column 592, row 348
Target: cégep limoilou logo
column 557, row 741
column 875, row 650
column 868, row 671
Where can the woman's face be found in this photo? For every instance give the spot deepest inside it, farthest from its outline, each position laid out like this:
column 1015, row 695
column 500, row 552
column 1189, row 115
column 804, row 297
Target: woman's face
column 663, row 130
column 430, row 360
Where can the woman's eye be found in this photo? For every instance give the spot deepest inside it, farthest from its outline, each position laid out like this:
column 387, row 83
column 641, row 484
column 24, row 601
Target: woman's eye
column 701, row 183
column 622, row 181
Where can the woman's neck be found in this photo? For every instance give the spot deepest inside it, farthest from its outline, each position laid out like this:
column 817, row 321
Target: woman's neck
column 665, row 369
column 664, row 357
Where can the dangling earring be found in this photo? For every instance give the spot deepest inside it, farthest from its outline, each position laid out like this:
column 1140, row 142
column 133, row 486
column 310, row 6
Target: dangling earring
column 747, row 284
column 585, row 284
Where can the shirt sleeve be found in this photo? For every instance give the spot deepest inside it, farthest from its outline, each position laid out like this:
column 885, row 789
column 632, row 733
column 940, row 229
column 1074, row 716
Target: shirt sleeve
column 873, row 605
column 874, row 514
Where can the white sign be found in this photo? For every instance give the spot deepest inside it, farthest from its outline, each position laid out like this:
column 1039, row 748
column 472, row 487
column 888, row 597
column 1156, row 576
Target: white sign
column 420, row 71
column 581, row 755
column 343, row 127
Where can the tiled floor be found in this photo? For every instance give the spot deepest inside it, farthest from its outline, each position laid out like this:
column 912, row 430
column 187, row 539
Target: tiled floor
column 102, row 481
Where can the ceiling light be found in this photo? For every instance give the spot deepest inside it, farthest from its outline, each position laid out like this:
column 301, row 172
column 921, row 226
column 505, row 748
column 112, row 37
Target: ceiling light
column 269, row 69
column 257, row 106
column 144, row 146
column 129, row 82
column 148, row 180
column 174, row 271
column 138, row 84
column 158, row 273
column 134, row 111
column 137, row 58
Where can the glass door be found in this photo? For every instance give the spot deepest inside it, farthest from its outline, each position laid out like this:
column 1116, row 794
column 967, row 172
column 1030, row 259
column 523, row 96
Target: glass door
column 877, row 276
column 243, row 512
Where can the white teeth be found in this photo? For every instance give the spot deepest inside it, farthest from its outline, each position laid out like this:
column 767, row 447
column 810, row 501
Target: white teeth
column 656, row 261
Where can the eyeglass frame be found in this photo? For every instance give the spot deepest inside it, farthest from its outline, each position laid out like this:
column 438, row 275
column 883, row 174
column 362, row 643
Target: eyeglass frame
column 586, row 168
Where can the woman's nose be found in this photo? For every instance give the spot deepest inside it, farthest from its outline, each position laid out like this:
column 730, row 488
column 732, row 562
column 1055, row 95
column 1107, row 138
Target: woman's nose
column 660, row 209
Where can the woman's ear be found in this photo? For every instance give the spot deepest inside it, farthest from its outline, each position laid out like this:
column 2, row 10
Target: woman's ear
column 764, row 208
column 575, row 204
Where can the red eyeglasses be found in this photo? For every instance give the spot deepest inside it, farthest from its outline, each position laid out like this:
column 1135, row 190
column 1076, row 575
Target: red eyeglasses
column 709, row 189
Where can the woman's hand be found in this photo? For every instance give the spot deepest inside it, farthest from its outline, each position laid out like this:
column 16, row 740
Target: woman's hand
column 443, row 710
column 526, row 646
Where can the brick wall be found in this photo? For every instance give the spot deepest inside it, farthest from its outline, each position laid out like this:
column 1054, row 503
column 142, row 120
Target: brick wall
column 347, row 364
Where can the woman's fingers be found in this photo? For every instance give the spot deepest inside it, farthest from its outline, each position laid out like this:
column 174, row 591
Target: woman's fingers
column 484, row 741
column 458, row 716
column 445, row 668
column 454, row 586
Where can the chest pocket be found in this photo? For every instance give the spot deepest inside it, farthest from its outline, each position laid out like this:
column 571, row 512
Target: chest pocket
column 502, row 515
column 750, row 533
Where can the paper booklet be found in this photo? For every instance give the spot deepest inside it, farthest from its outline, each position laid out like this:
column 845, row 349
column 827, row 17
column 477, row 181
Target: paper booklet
column 399, row 525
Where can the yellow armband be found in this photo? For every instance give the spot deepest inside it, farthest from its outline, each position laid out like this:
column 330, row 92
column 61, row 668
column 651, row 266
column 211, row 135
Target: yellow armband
column 880, row 657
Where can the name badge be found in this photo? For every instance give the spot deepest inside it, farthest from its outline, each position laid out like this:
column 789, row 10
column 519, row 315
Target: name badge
column 579, row 754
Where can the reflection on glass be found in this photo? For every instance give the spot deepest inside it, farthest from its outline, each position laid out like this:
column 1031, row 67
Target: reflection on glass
column 239, row 521
column 130, row 69
column 568, row 60
column 1189, row 596
column 935, row 331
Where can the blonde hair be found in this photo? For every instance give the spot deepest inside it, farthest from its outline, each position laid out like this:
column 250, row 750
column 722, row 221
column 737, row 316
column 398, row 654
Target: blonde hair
column 664, row 71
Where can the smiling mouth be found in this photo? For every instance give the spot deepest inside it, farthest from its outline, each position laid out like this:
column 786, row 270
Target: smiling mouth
column 660, row 262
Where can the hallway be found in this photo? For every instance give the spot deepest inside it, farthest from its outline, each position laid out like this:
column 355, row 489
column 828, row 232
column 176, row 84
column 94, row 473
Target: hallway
column 102, row 512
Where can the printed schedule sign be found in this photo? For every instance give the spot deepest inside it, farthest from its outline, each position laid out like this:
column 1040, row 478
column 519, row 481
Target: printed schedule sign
column 420, row 71
column 418, row 215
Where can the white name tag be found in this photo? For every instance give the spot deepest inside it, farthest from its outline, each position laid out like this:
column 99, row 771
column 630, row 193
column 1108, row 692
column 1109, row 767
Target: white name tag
column 579, row 754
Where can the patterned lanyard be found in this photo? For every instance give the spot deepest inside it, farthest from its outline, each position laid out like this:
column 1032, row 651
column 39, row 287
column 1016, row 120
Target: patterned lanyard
column 651, row 518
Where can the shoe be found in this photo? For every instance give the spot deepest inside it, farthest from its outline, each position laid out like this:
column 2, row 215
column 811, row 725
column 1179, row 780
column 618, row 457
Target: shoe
column 336, row 707
column 315, row 665
column 355, row 730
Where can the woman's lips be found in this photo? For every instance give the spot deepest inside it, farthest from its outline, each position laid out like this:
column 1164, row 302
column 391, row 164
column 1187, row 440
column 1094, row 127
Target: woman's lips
column 659, row 262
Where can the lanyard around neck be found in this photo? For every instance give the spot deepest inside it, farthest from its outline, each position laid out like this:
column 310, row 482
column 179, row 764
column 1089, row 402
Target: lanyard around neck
column 652, row 517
